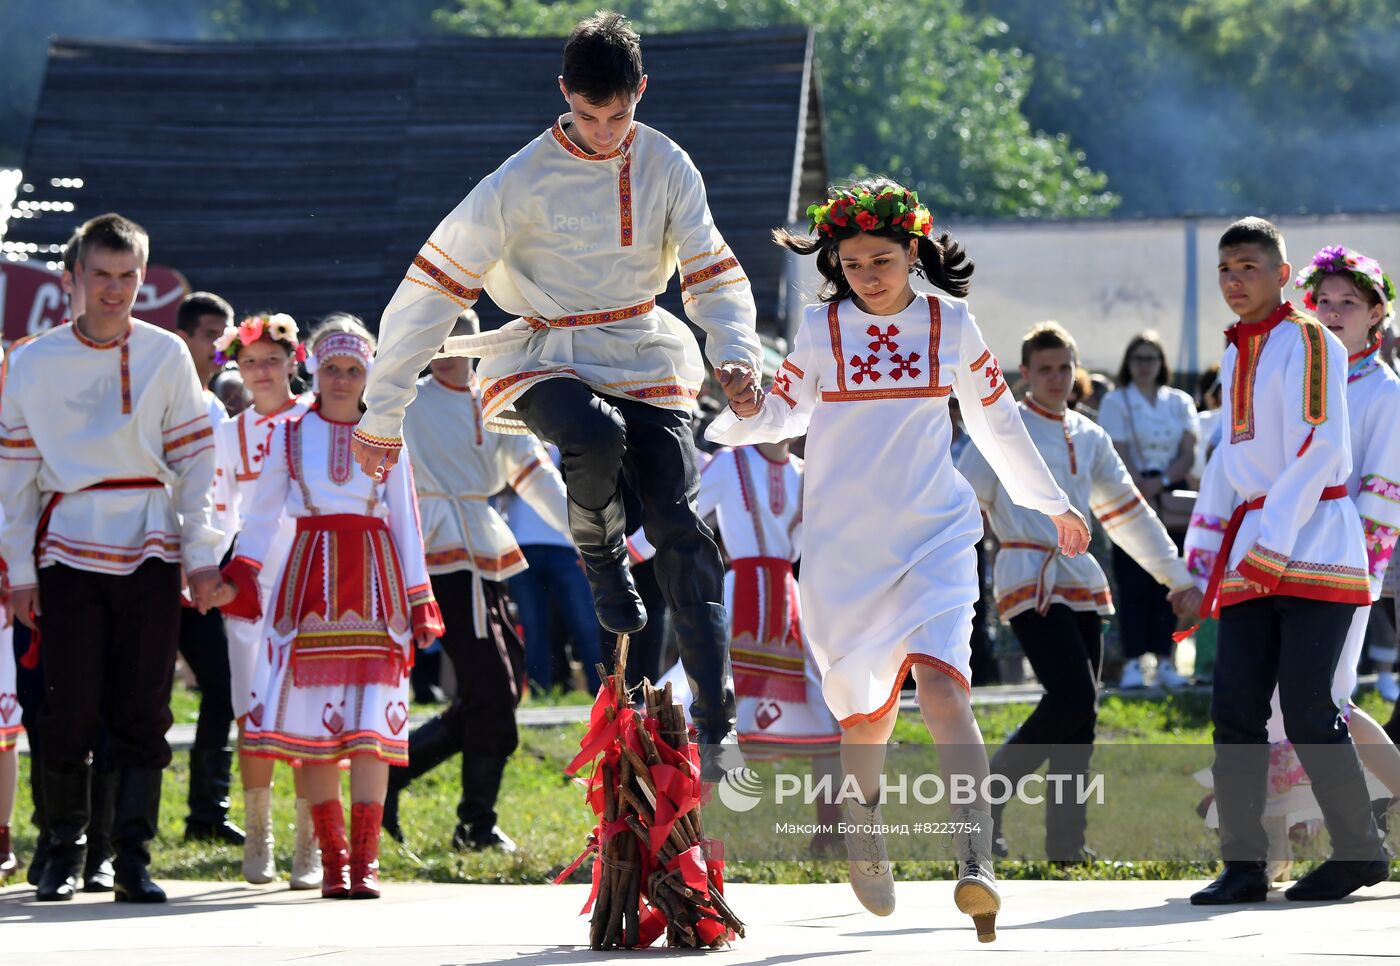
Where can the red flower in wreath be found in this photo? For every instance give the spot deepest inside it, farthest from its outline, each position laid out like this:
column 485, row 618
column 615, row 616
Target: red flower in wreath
column 837, row 214
column 867, row 221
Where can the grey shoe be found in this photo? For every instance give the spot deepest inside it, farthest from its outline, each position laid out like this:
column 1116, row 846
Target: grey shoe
column 867, row 858
column 976, row 892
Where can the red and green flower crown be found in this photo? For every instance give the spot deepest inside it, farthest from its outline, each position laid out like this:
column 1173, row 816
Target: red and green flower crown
column 891, row 207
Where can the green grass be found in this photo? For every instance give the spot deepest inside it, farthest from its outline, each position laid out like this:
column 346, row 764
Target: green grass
column 545, row 812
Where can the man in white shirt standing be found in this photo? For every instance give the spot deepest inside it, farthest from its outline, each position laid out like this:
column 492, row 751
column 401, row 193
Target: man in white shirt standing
column 109, row 460
column 202, row 318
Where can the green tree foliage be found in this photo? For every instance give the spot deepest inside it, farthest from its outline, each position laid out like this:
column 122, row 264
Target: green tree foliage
column 1221, row 105
column 920, row 90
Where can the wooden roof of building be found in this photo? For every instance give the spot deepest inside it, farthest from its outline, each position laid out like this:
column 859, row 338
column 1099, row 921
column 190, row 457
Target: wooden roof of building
column 303, row 176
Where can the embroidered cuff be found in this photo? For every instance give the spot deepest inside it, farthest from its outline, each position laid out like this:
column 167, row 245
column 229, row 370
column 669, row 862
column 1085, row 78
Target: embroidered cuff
column 426, row 616
column 383, row 442
column 243, row 574
column 1263, row 566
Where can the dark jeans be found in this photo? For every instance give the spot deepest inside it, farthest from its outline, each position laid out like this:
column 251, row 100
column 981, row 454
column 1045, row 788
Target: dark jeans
column 490, row 670
column 1145, row 618
column 204, row 646
column 555, row 573
column 1065, row 647
column 1295, row 644
column 109, row 644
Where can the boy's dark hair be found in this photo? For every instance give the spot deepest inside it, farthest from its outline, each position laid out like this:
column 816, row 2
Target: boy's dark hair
column 114, row 233
column 1256, row 231
column 1148, row 338
column 1047, row 335
column 197, row 306
column 70, row 251
column 603, row 59
column 942, row 260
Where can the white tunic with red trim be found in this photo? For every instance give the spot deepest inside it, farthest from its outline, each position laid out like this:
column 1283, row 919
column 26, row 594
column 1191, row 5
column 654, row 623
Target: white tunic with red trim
column 459, row 466
column 757, row 505
column 77, row 414
column 1286, row 438
column 889, row 574
column 1029, row 573
column 332, row 680
column 244, row 444
column 578, row 246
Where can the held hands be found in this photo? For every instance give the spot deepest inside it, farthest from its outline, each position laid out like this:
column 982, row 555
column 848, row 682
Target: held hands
column 1186, row 605
column 376, row 461
column 24, row 605
column 741, row 388
column 1072, row 532
column 423, row 638
column 206, row 590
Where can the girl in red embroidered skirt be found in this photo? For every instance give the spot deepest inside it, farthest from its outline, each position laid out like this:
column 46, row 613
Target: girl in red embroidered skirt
column 352, row 601
column 889, row 573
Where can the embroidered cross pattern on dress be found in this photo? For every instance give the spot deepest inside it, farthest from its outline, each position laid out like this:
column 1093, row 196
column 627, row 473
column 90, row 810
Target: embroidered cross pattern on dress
column 883, row 339
column 865, row 367
column 904, row 367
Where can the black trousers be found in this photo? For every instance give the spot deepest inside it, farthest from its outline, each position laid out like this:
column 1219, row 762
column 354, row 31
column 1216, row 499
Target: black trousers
column 1065, row 647
column 490, row 670
column 204, row 646
column 1145, row 618
column 1295, row 644
column 109, row 644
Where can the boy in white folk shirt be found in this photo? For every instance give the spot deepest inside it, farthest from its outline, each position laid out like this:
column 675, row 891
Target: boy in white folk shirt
column 1289, row 576
column 576, row 234
column 110, row 462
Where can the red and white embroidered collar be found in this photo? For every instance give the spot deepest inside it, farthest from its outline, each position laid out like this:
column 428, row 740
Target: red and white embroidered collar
column 1040, row 410
column 94, row 344
column 567, row 143
column 1241, row 331
column 471, row 385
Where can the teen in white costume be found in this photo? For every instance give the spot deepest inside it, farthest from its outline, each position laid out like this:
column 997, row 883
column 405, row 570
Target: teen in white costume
column 266, row 351
column 353, row 600
column 889, row 574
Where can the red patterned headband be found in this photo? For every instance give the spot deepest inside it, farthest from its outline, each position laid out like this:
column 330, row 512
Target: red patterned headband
column 344, row 344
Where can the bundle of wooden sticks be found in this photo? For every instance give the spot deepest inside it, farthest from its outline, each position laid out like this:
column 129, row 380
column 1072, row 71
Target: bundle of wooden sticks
column 654, row 869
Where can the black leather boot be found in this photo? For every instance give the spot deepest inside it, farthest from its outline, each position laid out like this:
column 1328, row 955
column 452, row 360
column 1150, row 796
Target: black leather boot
column 66, row 802
column 429, row 745
column 1241, row 881
column 41, row 825
column 1335, row 879
column 702, row 636
column 476, row 813
column 600, row 536
column 210, row 778
column 137, row 818
column 97, row 870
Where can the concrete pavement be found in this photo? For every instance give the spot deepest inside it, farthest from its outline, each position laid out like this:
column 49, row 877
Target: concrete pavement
column 213, row 924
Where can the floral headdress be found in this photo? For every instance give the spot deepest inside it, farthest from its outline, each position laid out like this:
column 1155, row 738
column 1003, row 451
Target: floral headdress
column 890, row 207
column 279, row 328
column 1337, row 260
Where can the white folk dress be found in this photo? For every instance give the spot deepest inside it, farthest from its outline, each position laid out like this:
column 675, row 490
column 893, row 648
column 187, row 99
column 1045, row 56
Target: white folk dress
column 244, row 444
column 459, row 467
column 10, row 712
column 332, row 681
column 577, row 246
column 757, row 505
column 1029, row 572
column 889, row 572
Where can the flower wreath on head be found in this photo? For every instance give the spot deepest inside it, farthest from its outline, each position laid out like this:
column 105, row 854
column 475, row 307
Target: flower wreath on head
column 279, row 328
column 1337, row 260
column 891, row 207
